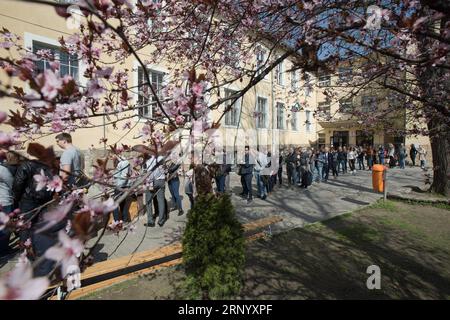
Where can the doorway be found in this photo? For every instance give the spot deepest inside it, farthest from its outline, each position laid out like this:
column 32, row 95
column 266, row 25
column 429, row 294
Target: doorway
column 340, row 139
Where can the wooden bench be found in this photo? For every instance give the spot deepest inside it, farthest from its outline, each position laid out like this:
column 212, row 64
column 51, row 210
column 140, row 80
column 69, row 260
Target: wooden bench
column 109, row 272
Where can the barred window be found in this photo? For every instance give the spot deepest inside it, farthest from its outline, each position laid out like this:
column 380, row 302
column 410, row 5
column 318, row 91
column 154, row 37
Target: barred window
column 146, row 100
column 68, row 62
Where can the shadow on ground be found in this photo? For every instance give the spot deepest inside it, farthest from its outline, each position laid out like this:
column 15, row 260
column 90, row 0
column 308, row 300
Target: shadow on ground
column 328, row 260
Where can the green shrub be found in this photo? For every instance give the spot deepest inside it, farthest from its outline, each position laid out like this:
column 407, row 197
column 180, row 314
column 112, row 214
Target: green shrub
column 213, row 249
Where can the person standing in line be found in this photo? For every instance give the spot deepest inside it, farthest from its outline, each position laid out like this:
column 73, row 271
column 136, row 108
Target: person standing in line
column 156, row 188
column 322, row 164
column 381, row 154
column 260, row 165
column 369, row 157
column 361, row 158
column 391, row 154
column 121, row 178
column 334, row 162
column 173, row 182
column 422, row 157
column 413, row 153
column 290, row 166
column 345, row 153
column 402, row 156
column 351, row 159
column 327, row 163
column 71, row 162
column 313, row 158
column 340, row 160
column 280, row 168
column 246, row 173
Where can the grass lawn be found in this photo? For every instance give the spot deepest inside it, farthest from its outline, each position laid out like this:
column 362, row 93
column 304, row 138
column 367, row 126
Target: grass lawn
column 328, row 260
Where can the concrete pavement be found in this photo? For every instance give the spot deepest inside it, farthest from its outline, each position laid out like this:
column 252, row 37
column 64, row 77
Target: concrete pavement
column 297, row 206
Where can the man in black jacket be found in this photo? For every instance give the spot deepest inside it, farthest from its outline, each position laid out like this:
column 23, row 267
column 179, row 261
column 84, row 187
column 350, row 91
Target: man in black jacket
column 246, row 173
column 25, row 194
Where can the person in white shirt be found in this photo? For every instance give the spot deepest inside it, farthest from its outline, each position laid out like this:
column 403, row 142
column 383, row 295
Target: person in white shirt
column 157, row 188
column 121, row 181
column 260, row 165
column 351, row 159
column 422, row 157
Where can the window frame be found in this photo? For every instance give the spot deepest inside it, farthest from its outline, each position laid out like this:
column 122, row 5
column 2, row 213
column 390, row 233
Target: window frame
column 280, row 112
column 279, row 74
column 264, row 118
column 152, row 69
column 237, row 108
column 320, row 107
column 365, row 109
column 348, row 103
column 308, row 122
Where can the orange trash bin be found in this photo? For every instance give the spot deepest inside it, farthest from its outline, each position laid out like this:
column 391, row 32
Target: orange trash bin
column 377, row 177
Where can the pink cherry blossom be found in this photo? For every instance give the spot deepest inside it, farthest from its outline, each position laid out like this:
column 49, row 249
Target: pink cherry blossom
column 97, row 208
column 41, row 179
column 52, row 83
column 3, row 116
column 55, row 184
column 19, row 283
column 197, row 89
column 95, row 89
column 56, row 215
column 179, row 120
column 66, row 252
column 104, row 73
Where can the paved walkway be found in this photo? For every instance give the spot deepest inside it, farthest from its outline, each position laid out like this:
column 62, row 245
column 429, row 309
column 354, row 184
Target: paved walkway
column 297, row 206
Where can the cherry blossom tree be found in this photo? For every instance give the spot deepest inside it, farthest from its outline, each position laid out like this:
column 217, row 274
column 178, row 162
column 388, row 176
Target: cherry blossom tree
column 400, row 46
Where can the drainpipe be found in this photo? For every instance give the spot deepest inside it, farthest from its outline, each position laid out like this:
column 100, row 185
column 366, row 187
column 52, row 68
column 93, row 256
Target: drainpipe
column 273, row 108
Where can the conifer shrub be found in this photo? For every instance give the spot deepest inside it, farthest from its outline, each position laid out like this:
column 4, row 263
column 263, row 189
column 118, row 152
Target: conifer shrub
column 213, row 249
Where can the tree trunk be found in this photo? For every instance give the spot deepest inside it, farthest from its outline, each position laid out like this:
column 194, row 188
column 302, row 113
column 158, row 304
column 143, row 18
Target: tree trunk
column 440, row 147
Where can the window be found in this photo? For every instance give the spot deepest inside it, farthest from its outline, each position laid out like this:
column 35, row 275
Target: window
column 324, row 107
column 232, row 116
column 345, row 105
column 146, row 100
column 261, row 110
column 294, row 80
column 308, row 121
column 321, row 140
column 279, row 76
column 294, row 121
column 280, row 115
column 324, row 80
column 345, row 74
column 68, row 62
column 369, row 103
column 260, row 60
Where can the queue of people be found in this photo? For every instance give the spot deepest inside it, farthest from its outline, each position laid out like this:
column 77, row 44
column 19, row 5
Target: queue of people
column 305, row 166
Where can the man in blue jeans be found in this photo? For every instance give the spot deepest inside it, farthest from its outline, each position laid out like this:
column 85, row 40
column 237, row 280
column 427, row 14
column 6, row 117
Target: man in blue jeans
column 173, row 181
column 246, row 173
column 261, row 162
column 157, row 188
